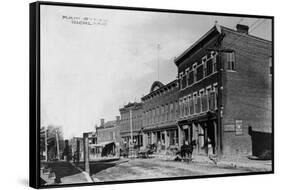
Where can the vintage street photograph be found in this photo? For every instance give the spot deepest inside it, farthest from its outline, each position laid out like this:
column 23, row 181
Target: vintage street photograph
column 145, row 95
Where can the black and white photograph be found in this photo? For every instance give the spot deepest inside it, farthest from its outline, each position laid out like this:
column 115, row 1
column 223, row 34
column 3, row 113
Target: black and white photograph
column 128, row 94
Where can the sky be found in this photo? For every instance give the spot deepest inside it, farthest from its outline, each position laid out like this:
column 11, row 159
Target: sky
column 89, row 71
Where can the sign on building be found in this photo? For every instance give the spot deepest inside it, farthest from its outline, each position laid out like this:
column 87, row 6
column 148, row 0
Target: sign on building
column 238, row 127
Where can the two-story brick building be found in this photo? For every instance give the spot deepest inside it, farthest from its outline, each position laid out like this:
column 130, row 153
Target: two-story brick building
column 160, row 114
column 108, row 138
column 225, row 87
column 131, row 124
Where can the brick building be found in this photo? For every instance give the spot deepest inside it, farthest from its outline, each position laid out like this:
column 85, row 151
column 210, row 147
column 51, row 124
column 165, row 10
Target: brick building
column 131, row 124
column 160, row 114
column 225, row 87
column 108, row 138
column 109, row 131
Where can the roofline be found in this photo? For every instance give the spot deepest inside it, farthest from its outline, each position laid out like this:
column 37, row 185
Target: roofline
column 174, row 81
column 219, row 29
column 245, row 35
column 214, row 28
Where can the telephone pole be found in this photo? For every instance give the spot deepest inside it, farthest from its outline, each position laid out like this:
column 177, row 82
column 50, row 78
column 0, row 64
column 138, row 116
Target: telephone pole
column 58, row 146
column 158, row 48
column 46, row 144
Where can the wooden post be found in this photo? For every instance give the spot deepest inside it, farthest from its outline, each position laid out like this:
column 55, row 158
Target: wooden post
column 46, row 144
column 58, row 146
column 86, row 152
column 215, row 137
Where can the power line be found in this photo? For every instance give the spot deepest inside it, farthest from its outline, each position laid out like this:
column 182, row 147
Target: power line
column 243, row 35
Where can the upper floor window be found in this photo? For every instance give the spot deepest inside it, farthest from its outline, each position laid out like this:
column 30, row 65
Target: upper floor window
column 183, row 81
column 214, row 58
column 230, row 60
column 209, row 67
column 191, row 77
column 171, row 111
column 194, row 70
column 200, row 72
column 180, row 79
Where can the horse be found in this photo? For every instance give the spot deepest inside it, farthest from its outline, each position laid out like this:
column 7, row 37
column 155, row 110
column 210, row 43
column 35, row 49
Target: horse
column 187, row 150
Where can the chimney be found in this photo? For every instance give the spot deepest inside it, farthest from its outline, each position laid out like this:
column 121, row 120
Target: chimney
column 242, row 28
column 101, row 122
column 117, row 118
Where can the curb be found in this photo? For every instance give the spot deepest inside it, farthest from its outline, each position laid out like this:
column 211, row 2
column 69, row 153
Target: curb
column 87, row 176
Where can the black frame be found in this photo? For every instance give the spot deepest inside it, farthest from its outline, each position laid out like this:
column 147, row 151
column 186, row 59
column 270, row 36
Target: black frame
column 34, row 91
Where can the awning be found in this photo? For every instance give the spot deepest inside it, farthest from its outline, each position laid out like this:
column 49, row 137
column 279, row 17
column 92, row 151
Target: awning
column 102, row 144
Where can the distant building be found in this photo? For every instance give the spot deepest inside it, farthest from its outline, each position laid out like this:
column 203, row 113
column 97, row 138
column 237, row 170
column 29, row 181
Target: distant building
column 160, row 114
column 131, row 124
column 108, row 131
column 108, row 138
column 225, row 86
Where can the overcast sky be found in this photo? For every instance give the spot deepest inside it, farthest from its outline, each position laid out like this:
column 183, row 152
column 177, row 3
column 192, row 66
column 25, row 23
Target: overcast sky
column 89, row 71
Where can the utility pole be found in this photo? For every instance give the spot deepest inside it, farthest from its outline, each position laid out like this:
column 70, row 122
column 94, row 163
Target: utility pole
column 46, row 144
column 158, row 48
column 86, row 152
column 58, row 146
column 131, row 129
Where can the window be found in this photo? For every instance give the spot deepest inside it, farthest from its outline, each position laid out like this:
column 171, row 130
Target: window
column 204, row 59
column 201, row 94
column 190, row 105
column 208, row 92
column 186, row 110
column 214, row 58
column 216, row 95
column 171, row 111
column 166, row 112
column 180, row 77
column 270, row 66
column 153, row 116
column 181, row 105
column 187, row 76
column 157, row 114
column 183, row 81
column 191, row 77
column 149, row 138
column 194, row 70
column 230, row 59
column 195, row 101
column 209, row 65
column 162, row 113
column 176, row 109
column 200, row 72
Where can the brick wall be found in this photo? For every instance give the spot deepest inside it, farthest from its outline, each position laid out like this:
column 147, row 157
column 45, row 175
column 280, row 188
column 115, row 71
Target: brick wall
column 246, row 91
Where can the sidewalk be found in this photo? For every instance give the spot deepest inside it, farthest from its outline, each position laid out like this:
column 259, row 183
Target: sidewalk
column 242, row 162
column 63, row 173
